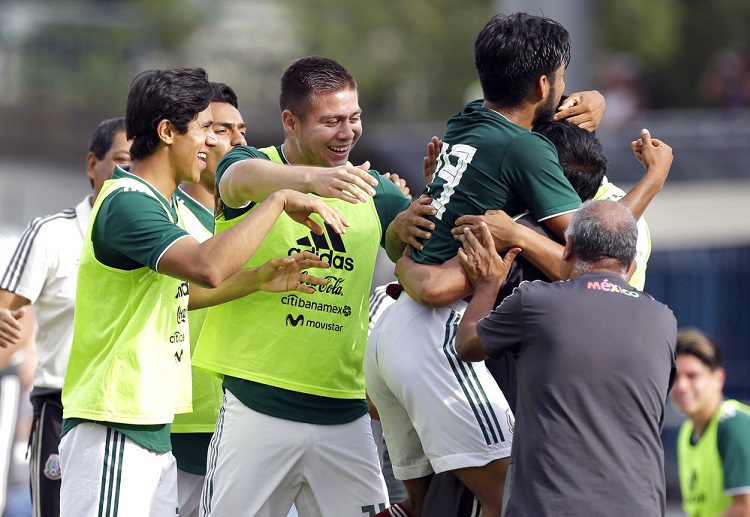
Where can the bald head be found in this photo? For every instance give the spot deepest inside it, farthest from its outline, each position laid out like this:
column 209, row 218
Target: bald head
column 602, row 235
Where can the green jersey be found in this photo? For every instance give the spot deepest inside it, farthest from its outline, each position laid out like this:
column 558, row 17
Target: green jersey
column 489, row 163
column 129, row 365
column 716, row 466
column 285, row 353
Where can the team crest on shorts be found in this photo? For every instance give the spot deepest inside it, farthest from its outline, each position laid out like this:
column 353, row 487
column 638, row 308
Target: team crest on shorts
column 511, row 420
column 52, row 467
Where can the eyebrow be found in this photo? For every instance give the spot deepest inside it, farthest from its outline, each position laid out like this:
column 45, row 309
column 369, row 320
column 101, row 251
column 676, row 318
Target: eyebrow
column 229, row 124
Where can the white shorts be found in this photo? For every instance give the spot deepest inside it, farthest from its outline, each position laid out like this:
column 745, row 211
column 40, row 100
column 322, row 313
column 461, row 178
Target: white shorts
column 189, row 487
column 107, row 473
column 438, row 413
column 259, row 465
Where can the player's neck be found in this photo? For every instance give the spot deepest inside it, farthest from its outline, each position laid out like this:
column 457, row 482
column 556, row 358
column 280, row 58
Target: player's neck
column 153, row 170
column 703, row 418
column 202, row 193
column 517, row 115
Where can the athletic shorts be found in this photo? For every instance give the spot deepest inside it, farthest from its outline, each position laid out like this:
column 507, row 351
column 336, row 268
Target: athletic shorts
column 189, row 487
column 107, row 473
column 438, row 413
column 259, row 465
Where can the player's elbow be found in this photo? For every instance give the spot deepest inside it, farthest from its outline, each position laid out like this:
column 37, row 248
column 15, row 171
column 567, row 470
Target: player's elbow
column 469, row 349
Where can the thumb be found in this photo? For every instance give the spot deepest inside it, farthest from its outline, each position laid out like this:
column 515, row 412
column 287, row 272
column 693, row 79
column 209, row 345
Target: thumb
column 365, row 166
column 510, row 256
column 18, row 313
column 645, row 137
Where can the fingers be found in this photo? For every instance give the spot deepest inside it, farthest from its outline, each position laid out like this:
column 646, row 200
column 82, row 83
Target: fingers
column 645, row 137
column 510, row 256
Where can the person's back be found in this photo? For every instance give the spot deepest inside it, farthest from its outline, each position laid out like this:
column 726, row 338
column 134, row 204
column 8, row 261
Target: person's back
column 600, row 347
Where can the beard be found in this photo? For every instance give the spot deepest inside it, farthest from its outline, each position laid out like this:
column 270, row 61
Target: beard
column 545, row 112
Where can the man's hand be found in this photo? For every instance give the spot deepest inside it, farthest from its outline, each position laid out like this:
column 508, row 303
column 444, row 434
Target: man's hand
column 656, row 157
column 412, row 224
column 299, row 206
column 429, row 164
column 481, row 262
column 499, row 224
column 347, row 182
column 10, row 327
column 283, row 274
column 584, row 109
column 399, row 182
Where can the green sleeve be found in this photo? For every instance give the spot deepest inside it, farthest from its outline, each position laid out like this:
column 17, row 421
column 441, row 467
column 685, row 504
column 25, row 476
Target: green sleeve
column 733, row 437
column 237, row 154
column 389, row 202
column 132, row 230
column 545, row 191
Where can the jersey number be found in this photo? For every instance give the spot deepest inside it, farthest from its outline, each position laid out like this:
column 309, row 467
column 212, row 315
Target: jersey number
column 451, row 165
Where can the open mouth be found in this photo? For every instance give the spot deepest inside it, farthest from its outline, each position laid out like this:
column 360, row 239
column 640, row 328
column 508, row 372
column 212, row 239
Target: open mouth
column 203, row 156
column 339, row 150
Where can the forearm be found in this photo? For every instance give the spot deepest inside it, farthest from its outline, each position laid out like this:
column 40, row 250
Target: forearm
column 256, row 179
column 468, row 346
column 240, row 284
column 639, row 197
column 740, row 506
column 542, row 252
column 211, row 262
column 394, row 246
column 431, row 285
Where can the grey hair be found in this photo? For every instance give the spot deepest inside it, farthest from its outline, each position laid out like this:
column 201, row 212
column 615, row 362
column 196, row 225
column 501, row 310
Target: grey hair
column 602, row 229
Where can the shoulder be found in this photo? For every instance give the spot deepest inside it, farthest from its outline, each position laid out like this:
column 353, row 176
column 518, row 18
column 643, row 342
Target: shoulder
column 52, row 223
column 734, row 417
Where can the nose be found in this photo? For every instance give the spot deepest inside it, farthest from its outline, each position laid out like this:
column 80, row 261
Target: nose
column 350, row 130
column 211, row 138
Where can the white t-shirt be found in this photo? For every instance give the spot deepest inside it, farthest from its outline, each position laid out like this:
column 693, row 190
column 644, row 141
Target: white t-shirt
column 44, row 269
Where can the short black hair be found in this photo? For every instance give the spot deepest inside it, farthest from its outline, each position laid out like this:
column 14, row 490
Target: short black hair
column 580, row 154
column 511, row 53
column 177, row 95
column 308, row 77
column 223, row 93
column 104, row 135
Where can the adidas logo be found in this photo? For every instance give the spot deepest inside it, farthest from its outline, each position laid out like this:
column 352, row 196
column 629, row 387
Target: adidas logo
column 325, row 246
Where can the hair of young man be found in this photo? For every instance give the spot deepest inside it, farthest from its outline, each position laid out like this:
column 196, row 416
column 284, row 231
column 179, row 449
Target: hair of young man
column 580, row 154
column 223, row 93
column 177, row 95
column 692, row 341
column 104, row 135
column 602, row 229
column 512, row 52
column 308, row 77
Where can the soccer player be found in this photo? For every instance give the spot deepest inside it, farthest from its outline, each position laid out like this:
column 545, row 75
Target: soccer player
column 295, row 419
column 713, row 446
column 129, row 367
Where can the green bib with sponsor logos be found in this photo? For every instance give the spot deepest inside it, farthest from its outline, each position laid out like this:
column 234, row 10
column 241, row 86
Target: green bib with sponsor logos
column 304, row 343
column 702, row 482
column 130, row 358
column 207, row 392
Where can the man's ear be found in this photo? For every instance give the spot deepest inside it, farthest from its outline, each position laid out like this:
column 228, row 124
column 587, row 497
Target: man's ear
column 542, row 87
column 290, row 122
column 568, row 249
column 91, row 161
column 166, row 131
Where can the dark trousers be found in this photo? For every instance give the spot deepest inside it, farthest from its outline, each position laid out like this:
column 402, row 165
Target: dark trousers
column 44, row 463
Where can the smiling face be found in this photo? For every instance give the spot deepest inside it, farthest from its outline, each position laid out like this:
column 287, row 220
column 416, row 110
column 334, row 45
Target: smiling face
column 229, row 129
column 190, row 150
column 325, row 135
column 697, row 390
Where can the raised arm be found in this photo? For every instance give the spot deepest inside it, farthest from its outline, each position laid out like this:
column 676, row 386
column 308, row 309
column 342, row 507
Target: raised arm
column 211, row 262
column 656, row 157
column 256, row 179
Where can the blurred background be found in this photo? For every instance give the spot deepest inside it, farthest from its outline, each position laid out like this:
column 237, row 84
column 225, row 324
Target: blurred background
column 678, row 67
